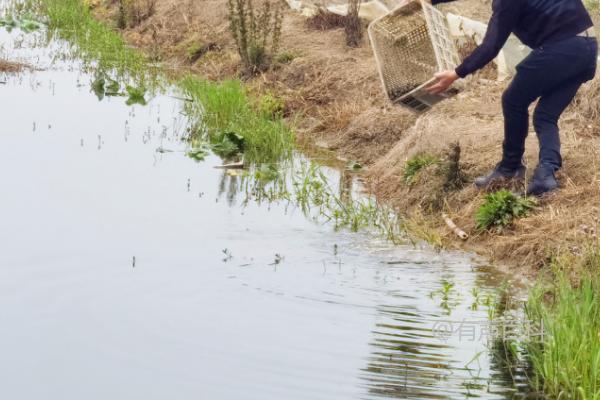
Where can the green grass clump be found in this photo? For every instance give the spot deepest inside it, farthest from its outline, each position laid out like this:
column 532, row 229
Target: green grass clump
column 566, row 361
column 416, row 164
column 224, row 108
column 271, row 107
column 592, row 5
column 501, row 208
column 285, row 57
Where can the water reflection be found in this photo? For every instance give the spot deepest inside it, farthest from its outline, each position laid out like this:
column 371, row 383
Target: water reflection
column 411, row 359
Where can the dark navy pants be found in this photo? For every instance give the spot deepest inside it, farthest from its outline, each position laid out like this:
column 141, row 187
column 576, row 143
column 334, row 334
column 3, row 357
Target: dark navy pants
column 553, row 73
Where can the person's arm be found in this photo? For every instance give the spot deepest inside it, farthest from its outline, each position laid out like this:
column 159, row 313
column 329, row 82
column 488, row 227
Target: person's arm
column 504, row 18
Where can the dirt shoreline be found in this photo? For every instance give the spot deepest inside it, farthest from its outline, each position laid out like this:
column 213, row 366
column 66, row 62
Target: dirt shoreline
column 336, row 92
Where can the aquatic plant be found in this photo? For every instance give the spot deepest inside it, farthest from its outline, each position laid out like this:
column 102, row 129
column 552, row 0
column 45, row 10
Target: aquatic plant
column 102, row 85
column 135, row 95
column 91, row 40
column 501, row 208
column 223, row 111
column 25, row 24
column 313, row 194
column 267, row 173
column 198, row 153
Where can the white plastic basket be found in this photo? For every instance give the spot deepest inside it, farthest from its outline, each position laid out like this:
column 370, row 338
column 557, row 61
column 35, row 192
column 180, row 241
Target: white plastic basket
column 411, row 44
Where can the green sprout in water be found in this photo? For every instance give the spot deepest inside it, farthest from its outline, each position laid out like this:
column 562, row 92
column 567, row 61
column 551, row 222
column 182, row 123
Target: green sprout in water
column 198, row 153
column 266, row 173
column 105, row 86
column 24, row 24
column 136, row 95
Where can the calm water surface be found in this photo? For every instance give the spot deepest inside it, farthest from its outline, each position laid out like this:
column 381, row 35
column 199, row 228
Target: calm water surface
column 131, row 273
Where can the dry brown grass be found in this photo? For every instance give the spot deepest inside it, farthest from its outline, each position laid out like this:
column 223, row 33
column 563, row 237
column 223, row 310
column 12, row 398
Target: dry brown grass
column 562, row 220
column 587, row 103
column 324, row 20
column 12, row 66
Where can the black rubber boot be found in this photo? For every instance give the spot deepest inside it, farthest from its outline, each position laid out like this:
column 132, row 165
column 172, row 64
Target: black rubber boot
column 500, row 175
column 543, row 181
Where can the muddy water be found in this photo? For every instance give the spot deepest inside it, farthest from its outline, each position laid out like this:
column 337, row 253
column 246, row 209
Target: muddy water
column 132, row 273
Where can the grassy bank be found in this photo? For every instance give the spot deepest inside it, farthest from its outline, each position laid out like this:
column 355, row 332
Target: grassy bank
column 219, row 111
column 91, row 40
column 223, row 109
column 566, row 361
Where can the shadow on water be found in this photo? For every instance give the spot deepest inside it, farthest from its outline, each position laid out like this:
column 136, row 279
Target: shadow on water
column 156, row 275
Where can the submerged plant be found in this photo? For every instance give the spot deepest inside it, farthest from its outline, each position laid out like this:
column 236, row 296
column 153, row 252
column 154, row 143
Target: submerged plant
column 501, row 208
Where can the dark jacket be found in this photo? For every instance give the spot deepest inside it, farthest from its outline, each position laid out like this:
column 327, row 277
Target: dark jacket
column 534, row 22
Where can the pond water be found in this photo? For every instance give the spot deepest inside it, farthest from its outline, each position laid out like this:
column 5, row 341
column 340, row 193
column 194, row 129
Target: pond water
column 127, row 272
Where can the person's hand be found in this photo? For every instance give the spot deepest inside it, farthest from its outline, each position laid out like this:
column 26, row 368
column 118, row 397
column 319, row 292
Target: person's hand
column 445, row 79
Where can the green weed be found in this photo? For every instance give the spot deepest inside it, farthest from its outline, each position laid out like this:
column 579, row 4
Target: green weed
column 91, row 40
column 221, row 111
column 256, row 31
column 271, row 107
column 416, row 164
column 285, row 57
column 501, row 208
column 223, row 108
column 313, row 194
column 24, row 24
column 198, row 153
column 267, row 173
column 566, row 359
column 135, row 95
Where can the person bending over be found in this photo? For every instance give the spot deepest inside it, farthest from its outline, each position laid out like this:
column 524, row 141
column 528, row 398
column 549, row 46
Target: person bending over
column 564, row 56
